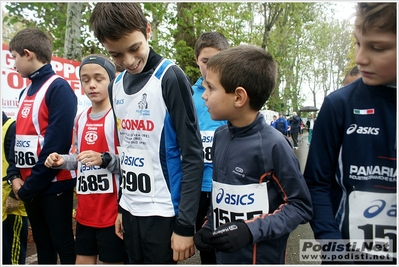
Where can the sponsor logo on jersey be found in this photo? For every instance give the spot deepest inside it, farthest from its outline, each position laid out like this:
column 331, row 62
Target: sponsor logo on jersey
column 377, row 207
column 207, row 138
column 119, row 101
column 89, row 168
column 91, row 137
column 234, row 199
column 383, row 173
column 143, row 125
column 25, row 111
column 132, row 161
column 354, row 128
column 143, row 104
column 22, row 143
column 239, row 171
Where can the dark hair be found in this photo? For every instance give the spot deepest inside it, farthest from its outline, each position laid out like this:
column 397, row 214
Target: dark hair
column 353, row 72
column 101, row 60
column 115, row 20
column 248, row 66
column 380, row 16
column 210, row 39
column 35, row 41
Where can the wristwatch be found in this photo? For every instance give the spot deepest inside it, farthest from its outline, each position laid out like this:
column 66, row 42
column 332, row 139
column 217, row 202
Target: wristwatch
column 106, row 158
column 15, row 176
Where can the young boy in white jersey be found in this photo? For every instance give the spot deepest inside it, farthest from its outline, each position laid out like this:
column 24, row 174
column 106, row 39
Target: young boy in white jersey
column 258, row 192
column 97, row 187
column 160, row 143
column 351, row 169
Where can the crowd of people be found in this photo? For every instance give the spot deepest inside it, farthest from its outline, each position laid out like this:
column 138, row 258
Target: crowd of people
column 161, row 167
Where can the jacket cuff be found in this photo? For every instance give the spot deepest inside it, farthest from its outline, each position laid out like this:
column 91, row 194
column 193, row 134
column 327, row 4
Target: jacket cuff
column 183, row 230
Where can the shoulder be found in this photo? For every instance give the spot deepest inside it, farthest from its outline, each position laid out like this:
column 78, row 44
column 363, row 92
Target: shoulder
column 344, row 93
column 223, row 129
column 175, row 72
column 175, row 77
column 61, row 83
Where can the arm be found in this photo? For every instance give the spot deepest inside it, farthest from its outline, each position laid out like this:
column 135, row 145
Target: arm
column 290, row 202
column 62, row 105
column 321, row 168
column 178, row 97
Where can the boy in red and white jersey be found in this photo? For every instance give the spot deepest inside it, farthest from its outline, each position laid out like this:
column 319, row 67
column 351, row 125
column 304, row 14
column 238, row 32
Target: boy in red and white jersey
column 97, row 187
column 44, row 123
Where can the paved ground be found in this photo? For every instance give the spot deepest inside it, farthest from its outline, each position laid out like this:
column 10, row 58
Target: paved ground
column 301, row 232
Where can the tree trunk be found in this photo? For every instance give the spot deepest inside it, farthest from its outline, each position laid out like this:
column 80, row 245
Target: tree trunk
column 72, row 49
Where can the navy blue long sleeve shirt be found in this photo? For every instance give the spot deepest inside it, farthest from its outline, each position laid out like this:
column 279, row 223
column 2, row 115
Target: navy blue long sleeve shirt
column 62, row 104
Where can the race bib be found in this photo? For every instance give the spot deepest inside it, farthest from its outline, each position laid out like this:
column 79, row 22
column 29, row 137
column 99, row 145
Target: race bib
column 93, row 180
column 207, row 141
column 137, row 171
column 372, row 216
column 238, row 202
column 26, row 150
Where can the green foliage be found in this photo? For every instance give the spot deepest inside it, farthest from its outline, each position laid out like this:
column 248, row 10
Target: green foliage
column 311, row 49
column 51, row 17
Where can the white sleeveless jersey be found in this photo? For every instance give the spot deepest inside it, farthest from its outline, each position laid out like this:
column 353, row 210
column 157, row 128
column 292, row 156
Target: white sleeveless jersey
column 143, row 128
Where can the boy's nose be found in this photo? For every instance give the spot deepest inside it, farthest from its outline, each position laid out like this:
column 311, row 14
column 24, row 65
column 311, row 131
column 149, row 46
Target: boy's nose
column 361, row 57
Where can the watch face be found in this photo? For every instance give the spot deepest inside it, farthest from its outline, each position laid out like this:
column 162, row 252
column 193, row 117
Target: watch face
column 107, row 156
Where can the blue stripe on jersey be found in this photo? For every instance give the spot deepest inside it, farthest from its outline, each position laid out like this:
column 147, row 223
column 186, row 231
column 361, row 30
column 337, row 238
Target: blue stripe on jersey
column 118, row 78
column 161, row 69
column 172, row 161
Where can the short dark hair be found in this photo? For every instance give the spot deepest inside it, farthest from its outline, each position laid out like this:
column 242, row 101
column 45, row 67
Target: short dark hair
column 35, row 41
column 379, row 16
column 248, row 66
column 115, row 20
column 210, row 39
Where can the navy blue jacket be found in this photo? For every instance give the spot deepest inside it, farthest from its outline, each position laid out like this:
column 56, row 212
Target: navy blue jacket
column 353, row 151
column 255, row 150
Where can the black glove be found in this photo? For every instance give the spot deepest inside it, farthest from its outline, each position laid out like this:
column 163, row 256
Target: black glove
column 231, row 237
column 201, row 239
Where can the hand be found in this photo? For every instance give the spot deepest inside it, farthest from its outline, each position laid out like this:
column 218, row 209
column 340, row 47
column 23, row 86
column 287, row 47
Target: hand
column 231, row 237
column 54, row 160
column 183, row 247
column 17, row 183
column 201, row 239
column 118, row 226
column 90, row 158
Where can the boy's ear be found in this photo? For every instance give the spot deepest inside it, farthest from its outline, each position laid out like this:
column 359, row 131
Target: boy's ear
column 241, row 97
column 29, row 54
column 148, row 31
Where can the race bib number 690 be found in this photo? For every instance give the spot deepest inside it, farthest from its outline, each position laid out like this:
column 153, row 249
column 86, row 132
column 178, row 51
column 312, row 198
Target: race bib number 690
column 137, row 171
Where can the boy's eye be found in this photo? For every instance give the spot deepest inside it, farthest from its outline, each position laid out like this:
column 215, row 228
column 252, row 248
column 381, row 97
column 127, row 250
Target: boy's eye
column 134, row 48
column 378, row 48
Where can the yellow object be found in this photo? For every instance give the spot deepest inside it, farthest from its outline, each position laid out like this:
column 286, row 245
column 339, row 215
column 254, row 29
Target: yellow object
column 6, row 187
